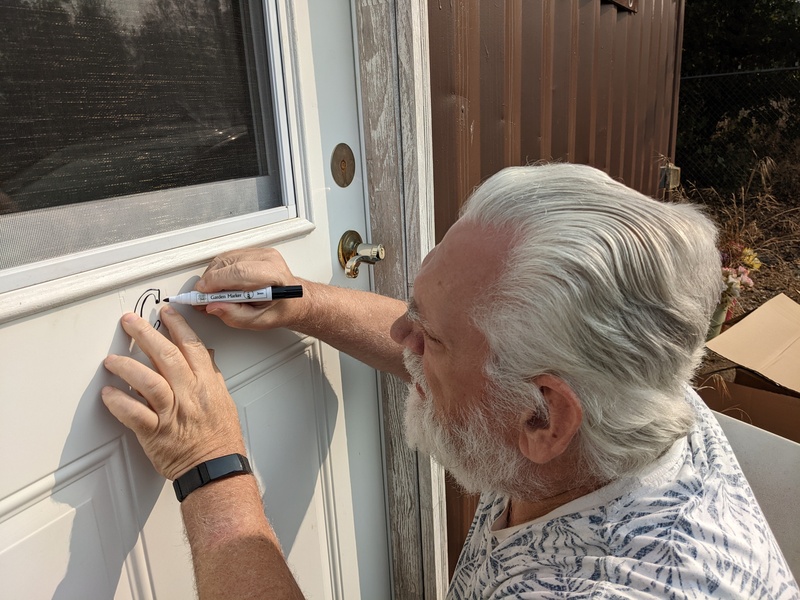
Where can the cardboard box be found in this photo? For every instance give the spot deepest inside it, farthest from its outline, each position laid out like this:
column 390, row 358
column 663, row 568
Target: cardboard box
column 766, row 388
column 777, row 413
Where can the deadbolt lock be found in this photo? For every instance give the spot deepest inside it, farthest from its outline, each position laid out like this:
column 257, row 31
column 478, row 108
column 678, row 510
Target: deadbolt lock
column 353, row 251
column 343, row 165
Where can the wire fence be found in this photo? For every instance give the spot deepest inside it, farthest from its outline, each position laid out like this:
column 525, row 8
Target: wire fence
column 728, row 121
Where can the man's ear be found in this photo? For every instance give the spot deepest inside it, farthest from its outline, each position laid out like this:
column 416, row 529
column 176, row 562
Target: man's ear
column 542, row 442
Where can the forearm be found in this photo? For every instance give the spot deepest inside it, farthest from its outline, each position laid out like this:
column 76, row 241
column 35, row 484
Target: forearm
column 356, row 323
column 235, row 551
column 188, row 417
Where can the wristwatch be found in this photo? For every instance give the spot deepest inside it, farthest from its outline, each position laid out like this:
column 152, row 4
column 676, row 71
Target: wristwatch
column 208, row 471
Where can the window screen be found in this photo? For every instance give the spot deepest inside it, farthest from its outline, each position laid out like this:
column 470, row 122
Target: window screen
column 122, row 119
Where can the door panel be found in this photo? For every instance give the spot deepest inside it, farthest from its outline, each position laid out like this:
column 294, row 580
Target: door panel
column 285, row 419
column 68, row 522
column 83, row 514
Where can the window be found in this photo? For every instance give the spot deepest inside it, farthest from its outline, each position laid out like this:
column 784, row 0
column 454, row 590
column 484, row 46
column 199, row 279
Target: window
column 125, row 120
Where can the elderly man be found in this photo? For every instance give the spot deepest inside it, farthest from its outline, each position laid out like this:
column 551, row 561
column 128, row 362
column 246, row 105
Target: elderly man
column 551, row 375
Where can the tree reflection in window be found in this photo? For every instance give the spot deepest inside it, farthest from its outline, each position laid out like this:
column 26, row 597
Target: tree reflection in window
column 106, row 98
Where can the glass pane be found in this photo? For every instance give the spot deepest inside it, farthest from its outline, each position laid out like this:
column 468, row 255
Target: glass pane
column 105, row 99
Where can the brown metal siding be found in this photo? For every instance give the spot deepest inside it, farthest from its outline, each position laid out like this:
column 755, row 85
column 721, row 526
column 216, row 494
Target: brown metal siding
column 518, row 81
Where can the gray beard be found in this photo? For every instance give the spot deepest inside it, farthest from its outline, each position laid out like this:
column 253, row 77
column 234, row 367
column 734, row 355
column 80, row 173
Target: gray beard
column 474, row 453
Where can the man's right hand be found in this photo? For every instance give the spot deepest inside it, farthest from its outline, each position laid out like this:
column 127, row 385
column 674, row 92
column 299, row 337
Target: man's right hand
column 352, row 321
column 252, row 269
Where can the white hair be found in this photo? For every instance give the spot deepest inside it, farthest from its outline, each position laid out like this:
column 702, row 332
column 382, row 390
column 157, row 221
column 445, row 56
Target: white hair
column 607, row 289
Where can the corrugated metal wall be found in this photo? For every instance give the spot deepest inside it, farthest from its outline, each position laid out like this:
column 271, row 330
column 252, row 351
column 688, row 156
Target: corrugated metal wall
column 517, row 81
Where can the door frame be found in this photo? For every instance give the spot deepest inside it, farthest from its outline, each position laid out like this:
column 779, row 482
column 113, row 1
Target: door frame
column 394, row 75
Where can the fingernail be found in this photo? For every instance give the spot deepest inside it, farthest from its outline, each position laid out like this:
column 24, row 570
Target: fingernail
column 168, row 309
column 200, row 285
column 129, row 317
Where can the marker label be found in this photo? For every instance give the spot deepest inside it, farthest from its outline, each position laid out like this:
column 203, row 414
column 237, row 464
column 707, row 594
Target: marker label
column 267, row 294
column 254, row 295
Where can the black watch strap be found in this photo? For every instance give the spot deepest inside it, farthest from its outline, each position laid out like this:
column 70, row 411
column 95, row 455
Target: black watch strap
column 211, row 470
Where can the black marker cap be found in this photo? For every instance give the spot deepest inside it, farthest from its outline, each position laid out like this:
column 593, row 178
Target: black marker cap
column 289, row 291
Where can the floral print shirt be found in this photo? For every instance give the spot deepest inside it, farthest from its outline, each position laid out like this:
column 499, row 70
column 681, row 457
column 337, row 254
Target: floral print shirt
column 686, row 526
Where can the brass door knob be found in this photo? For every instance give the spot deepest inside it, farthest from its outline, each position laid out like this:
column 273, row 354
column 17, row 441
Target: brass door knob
column 353, row 251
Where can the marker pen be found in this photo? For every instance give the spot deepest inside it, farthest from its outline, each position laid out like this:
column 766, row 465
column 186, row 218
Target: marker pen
column 263, row 295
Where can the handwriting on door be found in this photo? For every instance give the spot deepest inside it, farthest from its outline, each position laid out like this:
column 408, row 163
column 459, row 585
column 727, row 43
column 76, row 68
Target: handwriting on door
column 149, row 297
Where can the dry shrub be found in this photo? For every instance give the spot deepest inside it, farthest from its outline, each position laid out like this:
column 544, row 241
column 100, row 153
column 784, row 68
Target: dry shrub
column 756, row 217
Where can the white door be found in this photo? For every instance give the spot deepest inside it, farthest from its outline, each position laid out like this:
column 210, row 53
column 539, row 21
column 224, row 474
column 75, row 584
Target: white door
column 82, row 513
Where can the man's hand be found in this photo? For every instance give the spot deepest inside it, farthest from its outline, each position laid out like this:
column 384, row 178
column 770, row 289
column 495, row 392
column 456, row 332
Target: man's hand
column 352, row 321
column 187, row 416
column 252, row 269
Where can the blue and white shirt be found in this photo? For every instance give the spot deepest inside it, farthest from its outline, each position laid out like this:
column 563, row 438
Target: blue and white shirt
column 686, row 526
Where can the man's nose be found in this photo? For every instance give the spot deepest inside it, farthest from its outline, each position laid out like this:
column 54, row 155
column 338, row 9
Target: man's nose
column 403, row 332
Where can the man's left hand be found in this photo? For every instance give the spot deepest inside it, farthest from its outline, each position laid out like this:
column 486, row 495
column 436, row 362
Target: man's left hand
column 187, row 416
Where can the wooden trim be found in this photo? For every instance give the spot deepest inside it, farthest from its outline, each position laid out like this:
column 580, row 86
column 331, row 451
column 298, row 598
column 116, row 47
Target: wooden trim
column 395, row 106
column 51, row 294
